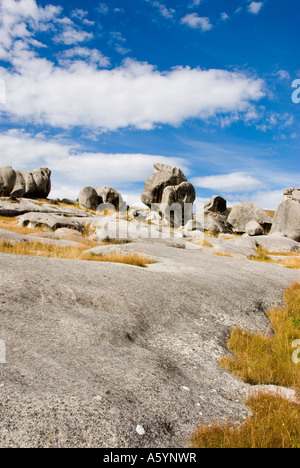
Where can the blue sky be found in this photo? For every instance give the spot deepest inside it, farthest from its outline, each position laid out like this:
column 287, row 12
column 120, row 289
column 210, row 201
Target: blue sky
column 98, row 92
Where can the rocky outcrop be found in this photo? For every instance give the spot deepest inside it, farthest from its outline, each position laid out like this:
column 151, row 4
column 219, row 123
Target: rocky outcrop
column 7, row 181
column 35, row 184
column 25, row 184
column 169, row 190
column 214, row 215
column 88, row 198
column 163, row 176
column 287, row 216
column 242, row 213
column 50, row 221
column 92, row 197
column 110, row 196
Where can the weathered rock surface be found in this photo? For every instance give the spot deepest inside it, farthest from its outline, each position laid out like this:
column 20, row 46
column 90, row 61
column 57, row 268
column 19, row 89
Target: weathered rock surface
column 214, row 215
column 7, row 180
column 21, row 206
column 49, row 221
column 254, row 229
column 32, row 184
column 242, row 213
column 110, row 196
column 163, row 176
column 173, row 195
column 292, row 194
column 88, row 198
column 90, row 360
column 14, row 238
column 287, row 217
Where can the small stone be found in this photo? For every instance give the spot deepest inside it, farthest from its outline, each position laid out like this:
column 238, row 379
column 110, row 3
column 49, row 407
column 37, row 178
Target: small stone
column 140, row 430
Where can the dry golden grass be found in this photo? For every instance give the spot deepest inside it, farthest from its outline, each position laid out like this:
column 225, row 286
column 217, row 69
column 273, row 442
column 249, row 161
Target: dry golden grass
column 11, row 224
column 292, row 259
column 270, row 213
column 39, row 249
column 223, row 254
column 202, row 242
column 263, row 359
column 275, row 423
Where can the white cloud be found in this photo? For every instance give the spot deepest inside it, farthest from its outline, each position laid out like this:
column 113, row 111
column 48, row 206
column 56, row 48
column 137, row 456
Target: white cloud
column 71, row 35
column 235, row 182
column 268, row 199
column 79, row 14
column 193, row 20
column 102, row 9
column 194, row 3
column 134, row 94
column 164, row 11
column 255, row 7
column 224, row 16
column 92, row 56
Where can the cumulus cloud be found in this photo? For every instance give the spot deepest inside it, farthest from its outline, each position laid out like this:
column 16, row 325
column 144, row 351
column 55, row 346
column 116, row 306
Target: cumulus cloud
column 78, row 92
column 72, row 35
column 255, row 7
column 92, row 56
column 234, row 182
column 134, row 94
column 193, row 20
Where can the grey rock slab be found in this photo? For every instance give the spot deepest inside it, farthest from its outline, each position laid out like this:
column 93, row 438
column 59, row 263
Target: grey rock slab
column 22, row 205
column 96, row 349
column 50, row 221
column 13, row 238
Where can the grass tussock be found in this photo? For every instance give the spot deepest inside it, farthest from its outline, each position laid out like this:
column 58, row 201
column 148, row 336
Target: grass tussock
column 11, row 224
column 275, row 423
column 222, row 254
column 263, row 359
column 291, row 260
column 38, row 249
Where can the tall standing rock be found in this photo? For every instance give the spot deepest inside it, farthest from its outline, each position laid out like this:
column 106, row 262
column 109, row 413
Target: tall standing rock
column 287, row 216
column 214, row 215
column 88, row 198
column 169, row 189
column 7, row 180
column 163, row 176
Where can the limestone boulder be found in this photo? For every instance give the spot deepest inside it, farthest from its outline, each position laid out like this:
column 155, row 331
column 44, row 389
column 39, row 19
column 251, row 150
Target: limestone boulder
column 110, row 196
column 50, row 221
column 287, row 218
column 32, row 184
column 7, row 180
column 163, row 176
column 214, row 215
column 88, row 198
column 254, row 229
column 242, row 213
